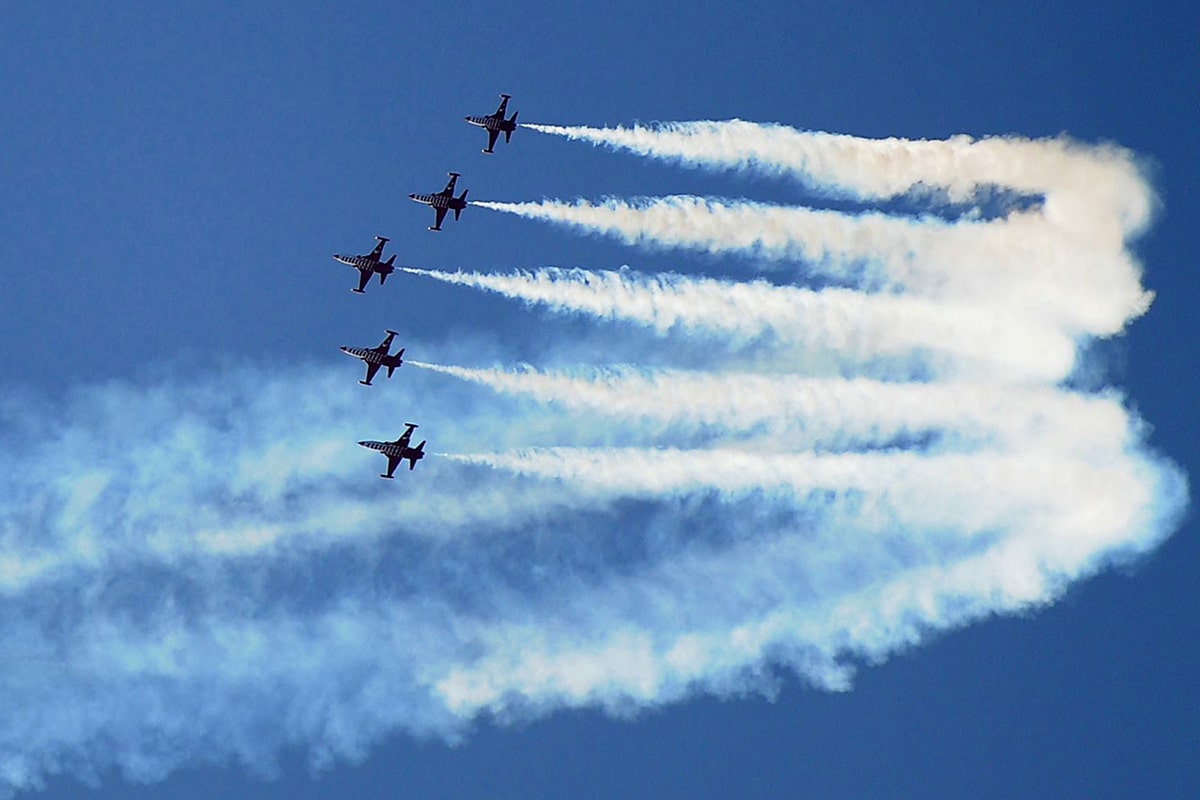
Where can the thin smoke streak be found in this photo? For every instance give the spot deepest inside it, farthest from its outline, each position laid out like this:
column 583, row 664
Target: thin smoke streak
column 855, row 327
column 1084, row 287
column 821, row 410
column 1106, row 177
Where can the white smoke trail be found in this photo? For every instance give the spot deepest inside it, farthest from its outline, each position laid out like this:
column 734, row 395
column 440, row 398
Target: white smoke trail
column 965, row 492
column 1105, row 178
column 254, row 465
column 1032, row 269
column 210, row 566
column 971, row 549
column 824, row 412
column 852, row 326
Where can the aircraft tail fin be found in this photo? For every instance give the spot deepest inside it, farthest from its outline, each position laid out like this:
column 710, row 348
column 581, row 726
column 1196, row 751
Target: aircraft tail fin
column 418, row 453
column 508, row 133
column 462, row 197
column 386, row 268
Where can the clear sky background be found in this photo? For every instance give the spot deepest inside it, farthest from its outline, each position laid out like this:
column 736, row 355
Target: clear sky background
column 177, row 175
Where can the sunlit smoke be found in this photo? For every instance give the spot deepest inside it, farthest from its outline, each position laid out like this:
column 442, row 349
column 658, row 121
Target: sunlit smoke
column 207, row 569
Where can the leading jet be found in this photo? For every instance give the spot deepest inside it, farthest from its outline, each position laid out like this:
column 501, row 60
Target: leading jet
column 370, row 264
column 443, row 201
column 376, row 357
column 495, row 124
column 399, row 450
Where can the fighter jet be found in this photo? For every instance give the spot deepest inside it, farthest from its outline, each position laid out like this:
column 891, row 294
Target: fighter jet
column 399, row 450
column 370, row 264
column 377, row 357
column 443, row 201
column 495, row 124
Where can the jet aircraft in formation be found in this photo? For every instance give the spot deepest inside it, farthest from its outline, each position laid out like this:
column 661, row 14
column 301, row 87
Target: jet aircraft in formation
column 399, row 450
column 370, row 264
column 443, row 201
column 495, row 124
column 376, row 357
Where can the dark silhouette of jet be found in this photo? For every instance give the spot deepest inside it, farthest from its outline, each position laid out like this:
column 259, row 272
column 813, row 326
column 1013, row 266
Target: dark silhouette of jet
column 399, row 450
column 370, row 264
column 443, row 201
column 377, row 357
column 495, row 124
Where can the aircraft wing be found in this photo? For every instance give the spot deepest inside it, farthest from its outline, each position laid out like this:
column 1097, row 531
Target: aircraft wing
column 441, row 215
column 492, row 136
column 393, row 461
column 371, row 370
column 378, row 251
column 364, row 277
column 449, row 190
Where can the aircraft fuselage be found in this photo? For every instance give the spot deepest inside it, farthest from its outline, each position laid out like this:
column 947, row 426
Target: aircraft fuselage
column 398, row 451
column 439, row 201
column 492, row 124
column 392, row 449
column 369, row 264
column 369, row 355
column 443, row 201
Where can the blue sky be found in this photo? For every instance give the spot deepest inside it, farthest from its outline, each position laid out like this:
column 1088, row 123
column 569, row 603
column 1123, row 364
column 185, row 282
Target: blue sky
column 178, row 177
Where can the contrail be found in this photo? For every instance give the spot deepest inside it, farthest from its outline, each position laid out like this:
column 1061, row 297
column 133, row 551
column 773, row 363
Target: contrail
column 822, row 412
column 965, row 492
column 1021, row 261
column 1106, row 178
column 855, row 326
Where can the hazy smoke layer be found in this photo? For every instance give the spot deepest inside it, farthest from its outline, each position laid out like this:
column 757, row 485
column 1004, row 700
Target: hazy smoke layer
column 207, row 569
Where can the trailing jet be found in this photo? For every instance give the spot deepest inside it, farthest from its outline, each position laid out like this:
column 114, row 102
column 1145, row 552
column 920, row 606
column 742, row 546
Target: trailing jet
column 399, row 450
column 443, row 201
column 495, row 124
column 370, row 264
column 377, row 357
